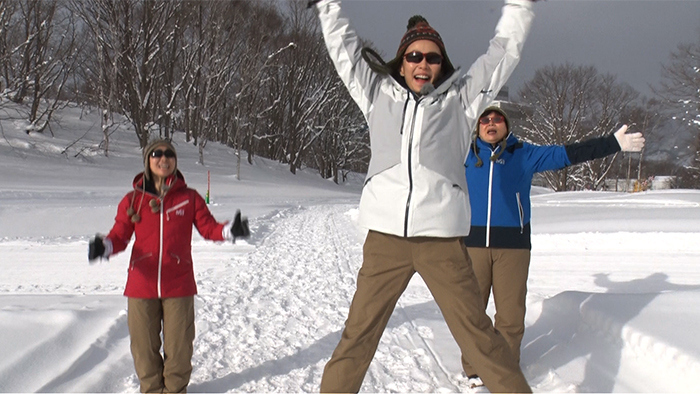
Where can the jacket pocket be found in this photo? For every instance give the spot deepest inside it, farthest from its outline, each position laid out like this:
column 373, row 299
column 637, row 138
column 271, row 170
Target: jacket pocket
column 179, row 209
column 137, row 259
column 178, row 260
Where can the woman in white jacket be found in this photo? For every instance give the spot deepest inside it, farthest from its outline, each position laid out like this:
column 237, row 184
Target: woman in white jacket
column 420, row 113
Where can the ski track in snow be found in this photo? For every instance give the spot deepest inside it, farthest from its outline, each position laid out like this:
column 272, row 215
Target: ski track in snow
column 102, row 364
column 286, row 303
column 277, row 303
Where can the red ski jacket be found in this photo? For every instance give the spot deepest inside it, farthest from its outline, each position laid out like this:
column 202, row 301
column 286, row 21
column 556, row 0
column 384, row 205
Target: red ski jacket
column 161, row 258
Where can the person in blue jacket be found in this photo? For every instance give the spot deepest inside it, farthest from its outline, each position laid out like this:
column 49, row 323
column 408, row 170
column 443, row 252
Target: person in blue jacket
column 499, row 172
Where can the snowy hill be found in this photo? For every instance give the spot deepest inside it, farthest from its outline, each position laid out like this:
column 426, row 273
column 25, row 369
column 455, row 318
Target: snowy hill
column 613, row 293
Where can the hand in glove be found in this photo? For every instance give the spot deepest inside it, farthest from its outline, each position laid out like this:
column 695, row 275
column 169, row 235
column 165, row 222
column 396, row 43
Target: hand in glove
column 633, row 142
column 99, row 248
column 238, row 228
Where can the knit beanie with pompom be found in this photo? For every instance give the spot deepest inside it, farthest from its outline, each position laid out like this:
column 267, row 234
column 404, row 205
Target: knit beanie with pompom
column 418, row 28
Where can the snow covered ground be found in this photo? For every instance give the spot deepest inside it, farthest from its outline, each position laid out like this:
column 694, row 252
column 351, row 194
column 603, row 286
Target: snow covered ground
column 613, row 304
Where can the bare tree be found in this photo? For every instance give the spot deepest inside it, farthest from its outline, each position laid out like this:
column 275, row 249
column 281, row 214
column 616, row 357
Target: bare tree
column 649, row 118
column 680, row 90
column 611, row 101
column 7, row 36
column 252, row 74
column 38, row 56
column 132, row 37
column 571, row 104
column 99, row 72
column 343, row 145
column 306, row 84
column 226, row 53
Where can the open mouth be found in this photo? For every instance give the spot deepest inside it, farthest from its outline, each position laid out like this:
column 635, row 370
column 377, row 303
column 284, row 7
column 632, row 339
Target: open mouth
column 421, row 78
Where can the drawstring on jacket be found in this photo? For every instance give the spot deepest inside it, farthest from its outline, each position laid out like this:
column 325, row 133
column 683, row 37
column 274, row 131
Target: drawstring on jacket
column 134, row 215
column 155, row 205
column 494, row 157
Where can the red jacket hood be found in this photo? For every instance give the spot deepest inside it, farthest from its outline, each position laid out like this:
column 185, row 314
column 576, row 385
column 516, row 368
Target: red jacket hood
column 174, row 181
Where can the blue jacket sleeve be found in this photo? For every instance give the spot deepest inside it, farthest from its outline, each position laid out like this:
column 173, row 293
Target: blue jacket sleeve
column 547, row 158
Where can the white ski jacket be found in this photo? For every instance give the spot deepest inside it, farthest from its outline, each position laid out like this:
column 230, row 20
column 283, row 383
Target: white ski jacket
column 415, row 184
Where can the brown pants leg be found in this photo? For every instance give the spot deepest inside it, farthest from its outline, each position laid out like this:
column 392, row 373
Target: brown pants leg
column 389, row 263
column 385, row 273
column 506, row 272
column 178, row 338
column 450, row 278
column 146, row 319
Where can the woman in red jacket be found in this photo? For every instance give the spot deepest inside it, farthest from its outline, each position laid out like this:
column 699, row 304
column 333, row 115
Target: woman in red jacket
column 160, row 211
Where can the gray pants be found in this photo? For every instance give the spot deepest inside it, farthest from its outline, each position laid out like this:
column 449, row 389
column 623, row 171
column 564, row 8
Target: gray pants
column 389, row 263
column 175, row 316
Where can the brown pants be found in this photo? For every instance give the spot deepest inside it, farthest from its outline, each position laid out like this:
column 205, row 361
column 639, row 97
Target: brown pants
column 505, row 271
column 389, row 263
column 171, row 373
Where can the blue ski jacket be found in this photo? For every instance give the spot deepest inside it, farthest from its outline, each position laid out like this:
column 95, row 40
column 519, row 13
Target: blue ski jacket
column 499, row 191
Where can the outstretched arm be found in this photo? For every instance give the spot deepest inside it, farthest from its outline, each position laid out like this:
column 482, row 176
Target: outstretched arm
column 600, row 147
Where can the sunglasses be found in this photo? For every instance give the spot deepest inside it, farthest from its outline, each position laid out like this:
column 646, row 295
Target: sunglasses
column 417, row 57
column 496, row 119
column 160, row 153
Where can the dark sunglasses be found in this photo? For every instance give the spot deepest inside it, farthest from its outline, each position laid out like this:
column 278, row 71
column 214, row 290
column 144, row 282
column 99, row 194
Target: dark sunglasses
column 160, row 153
column 417, row 57
column 495, row 118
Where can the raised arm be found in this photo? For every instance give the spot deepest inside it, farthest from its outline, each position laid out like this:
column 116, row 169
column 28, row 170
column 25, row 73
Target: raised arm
column 344, row 48
column 490, row 72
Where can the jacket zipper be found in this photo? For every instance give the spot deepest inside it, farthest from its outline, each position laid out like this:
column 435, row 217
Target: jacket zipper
column 410, row 170
column 403, row 119
column 160, row 253
column 488, row 208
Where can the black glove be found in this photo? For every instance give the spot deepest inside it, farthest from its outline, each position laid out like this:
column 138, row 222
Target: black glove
column 96, row 249
column 239, row 228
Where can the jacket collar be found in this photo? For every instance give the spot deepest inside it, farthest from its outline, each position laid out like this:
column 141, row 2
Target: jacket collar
column 174, row 181
column 443, row 85
column 511, row 140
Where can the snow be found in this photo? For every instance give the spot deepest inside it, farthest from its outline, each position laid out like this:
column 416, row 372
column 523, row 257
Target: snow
column 613, row 295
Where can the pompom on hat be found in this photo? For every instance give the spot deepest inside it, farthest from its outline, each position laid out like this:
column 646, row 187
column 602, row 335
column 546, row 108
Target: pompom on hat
column 418, row 28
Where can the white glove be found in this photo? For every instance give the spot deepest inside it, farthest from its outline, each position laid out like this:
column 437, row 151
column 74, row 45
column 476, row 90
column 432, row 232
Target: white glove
column 633, row 142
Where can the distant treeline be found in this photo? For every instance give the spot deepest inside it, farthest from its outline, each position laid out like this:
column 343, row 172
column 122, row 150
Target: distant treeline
column 255, row 75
